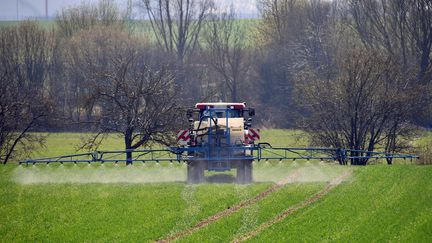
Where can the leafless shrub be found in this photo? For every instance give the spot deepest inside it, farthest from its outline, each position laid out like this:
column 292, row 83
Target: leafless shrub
column 425, row 154
column 86, row 16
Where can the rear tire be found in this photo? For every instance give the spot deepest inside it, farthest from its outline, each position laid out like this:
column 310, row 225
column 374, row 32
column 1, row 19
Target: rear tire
column 195, row 172
column 244, row 171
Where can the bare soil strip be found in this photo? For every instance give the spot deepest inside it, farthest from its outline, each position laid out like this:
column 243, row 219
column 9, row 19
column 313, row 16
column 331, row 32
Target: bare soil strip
column 292, row 177
column 330, row 186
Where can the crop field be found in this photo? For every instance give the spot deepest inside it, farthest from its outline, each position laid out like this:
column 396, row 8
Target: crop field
column 288, row 201
column 143, row 28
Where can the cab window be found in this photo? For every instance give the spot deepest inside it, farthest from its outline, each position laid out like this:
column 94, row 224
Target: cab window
column 221, row 114
column 231, row 114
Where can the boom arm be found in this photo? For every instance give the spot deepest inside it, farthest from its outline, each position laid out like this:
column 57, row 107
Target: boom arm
column 261, row 151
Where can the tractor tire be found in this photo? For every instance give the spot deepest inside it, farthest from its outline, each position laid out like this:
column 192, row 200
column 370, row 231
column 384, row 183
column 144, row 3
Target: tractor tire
column 244, row 171
column 195, row 172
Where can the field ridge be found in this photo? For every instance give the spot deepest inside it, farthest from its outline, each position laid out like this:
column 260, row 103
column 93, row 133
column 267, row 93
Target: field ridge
column 330, row 186
column 219, row 215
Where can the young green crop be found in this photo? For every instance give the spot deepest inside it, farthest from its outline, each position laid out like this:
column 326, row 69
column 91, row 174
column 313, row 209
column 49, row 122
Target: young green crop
column 381, row 203
column 109, row 203
column 104, row 211
column 229, row 228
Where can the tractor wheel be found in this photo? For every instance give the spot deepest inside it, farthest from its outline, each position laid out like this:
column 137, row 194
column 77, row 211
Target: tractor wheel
column 195, row 172
column 244, row 171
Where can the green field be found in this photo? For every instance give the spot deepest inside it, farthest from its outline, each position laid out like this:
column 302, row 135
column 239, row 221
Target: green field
column 150, row 202
column 143, row 28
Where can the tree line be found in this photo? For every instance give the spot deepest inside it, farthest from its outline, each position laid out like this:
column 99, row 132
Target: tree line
column 354, row 74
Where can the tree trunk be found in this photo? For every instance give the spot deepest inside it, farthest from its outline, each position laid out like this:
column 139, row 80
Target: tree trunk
column 424, row 64
column 128, row 145
column 389, row 161
column 357, row 161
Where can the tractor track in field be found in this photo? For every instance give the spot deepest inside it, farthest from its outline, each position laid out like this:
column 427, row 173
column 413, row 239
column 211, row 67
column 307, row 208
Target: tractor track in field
column 330, row 186
column 290, row 178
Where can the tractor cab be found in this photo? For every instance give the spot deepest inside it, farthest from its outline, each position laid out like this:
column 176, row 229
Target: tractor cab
column 219, row 124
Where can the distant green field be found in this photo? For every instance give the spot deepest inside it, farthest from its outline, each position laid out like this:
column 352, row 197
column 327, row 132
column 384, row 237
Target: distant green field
column 149, row 202
column 143, row 27
column 44, row 23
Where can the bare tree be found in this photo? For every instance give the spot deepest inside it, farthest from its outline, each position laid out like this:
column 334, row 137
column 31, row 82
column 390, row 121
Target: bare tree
column 402, row 27
column 282, row 20
column 293, row 35
column 228, row 56
column 277, row 41
column 70, row 21
column 420, row 27
column 25, row 55
column 367, row 105
column 177, row 24
column 127, row 93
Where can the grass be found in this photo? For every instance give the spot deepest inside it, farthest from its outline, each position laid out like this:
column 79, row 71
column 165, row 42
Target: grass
column 286, row 138
column 246, row 219
column 104, row 212
column 68, row 143
column 89, row 213
column 382, row 203
column 109, row 203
